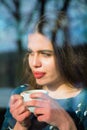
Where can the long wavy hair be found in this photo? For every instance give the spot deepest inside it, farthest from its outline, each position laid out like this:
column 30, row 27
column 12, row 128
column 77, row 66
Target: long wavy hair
column 71, row 58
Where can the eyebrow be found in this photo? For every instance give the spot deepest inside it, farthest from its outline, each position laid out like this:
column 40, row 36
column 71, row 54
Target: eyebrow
column 40, row 51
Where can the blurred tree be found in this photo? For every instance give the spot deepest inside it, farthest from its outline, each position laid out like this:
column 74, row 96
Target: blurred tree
column 14, row 9
column 20, row 16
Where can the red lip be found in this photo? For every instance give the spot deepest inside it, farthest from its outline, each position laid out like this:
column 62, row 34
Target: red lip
column 38, row 75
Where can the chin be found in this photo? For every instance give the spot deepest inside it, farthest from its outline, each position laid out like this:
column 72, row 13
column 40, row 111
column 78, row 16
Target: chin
column 40, row 83
column 43, row 81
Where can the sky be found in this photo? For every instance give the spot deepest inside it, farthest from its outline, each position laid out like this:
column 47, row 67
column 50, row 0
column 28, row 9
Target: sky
column 9, row 28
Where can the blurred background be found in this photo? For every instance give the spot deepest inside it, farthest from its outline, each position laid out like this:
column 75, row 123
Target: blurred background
column 17, row 19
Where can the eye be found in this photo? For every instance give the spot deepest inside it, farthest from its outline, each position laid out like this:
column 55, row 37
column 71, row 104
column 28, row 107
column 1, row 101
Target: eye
column 46, row 54
column 30, row 52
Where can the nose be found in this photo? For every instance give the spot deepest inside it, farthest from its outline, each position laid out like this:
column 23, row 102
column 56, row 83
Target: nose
column 36, row 62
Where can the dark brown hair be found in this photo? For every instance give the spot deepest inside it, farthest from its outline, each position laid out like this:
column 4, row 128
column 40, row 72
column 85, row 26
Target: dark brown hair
column 70, row 57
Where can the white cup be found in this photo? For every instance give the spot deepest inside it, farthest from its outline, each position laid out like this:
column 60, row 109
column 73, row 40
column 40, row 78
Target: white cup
column 26, row 96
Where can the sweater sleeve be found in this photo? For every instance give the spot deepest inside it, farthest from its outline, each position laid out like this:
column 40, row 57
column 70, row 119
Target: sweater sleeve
column 9, row 121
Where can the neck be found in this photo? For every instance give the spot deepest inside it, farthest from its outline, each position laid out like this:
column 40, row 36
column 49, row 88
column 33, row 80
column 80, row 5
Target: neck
column 62, row 91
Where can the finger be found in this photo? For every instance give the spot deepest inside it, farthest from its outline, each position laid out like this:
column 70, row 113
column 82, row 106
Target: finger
column 41, row 111
column 37, row 103
column 17, row 105
column 41, row 118
column 19, row 110
column 39, row 95
column 22, row 116
column 14, row 98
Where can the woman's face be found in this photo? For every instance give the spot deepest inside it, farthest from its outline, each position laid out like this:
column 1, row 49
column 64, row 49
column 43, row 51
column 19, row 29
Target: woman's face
column 42, row 60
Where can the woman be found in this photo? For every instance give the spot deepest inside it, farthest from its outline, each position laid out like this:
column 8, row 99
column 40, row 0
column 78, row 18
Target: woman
column 58, row 67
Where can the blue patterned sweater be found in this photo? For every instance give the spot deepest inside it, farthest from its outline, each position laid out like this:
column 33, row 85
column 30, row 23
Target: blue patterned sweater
column 75, row 106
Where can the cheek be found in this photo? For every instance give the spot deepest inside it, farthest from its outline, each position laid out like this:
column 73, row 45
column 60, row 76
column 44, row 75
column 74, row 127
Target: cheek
column 49, row 65
column 29, row 62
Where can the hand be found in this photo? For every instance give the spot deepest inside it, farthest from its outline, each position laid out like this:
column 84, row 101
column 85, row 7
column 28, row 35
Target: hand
column 48, row 110
column 19, row 110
